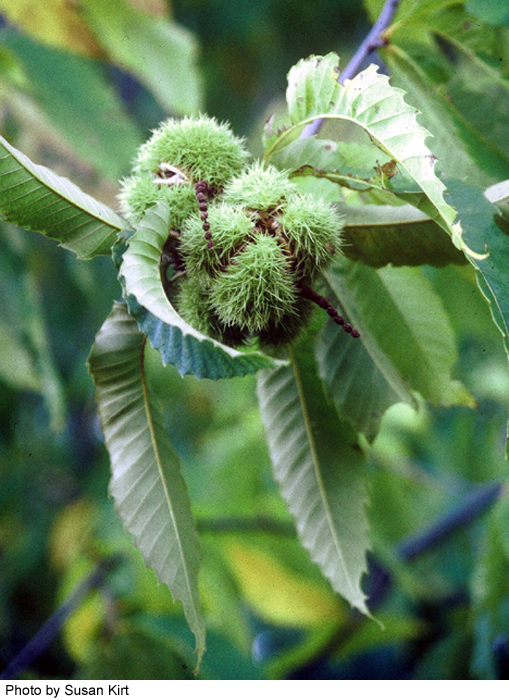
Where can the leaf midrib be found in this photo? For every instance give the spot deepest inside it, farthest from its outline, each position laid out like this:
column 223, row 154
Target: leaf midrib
column 316, row 467
column 155, row 447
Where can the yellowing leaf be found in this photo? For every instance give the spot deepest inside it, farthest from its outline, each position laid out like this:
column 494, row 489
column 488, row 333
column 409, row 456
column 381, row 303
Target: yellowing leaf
column 279, row 595
column 70, row 533
column 55, row 22
column 81, row 628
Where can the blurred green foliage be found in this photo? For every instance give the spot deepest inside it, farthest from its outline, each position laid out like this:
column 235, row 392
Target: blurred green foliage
column 446, row 614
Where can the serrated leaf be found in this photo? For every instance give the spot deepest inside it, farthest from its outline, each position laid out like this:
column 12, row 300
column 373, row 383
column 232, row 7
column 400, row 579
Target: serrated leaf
column 437, row 54
column 178, row 342
column 372, row 103
column 404, row 328
column 160, row 53
column 318, row 465
column 35, row 198
column 359, row 389
column 147, row 486
column 460, row 151
column 375, row 234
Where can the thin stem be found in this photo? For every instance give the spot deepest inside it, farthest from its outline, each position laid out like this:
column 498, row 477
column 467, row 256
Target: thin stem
column 43, row 638
column 371, row 43
column 322, row 302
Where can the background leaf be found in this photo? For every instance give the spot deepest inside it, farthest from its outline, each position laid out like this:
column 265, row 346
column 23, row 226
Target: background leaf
column 148, row 489
column 160, row 53
column 17, row 366
column 92, row 119
column 318, row 465
column 179, row 344
column 37, row 199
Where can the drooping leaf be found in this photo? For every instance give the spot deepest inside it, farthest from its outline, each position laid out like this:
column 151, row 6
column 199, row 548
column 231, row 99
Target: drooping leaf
column 318, row 465
column 360, row 390
column 74, row 94
column 179, row 344
column 147, row 486
column 404, row 328
column 35, row 198
column 370, row 102
column 159, row 52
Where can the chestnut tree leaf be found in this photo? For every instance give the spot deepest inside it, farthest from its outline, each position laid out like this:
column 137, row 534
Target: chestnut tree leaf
column 381, row 234
column 369, row 101
column 449, row 62
column 147, row 486
column 178, row 342
column 35, row 198
column 358, row 386
column 404, row 328
column 319, row 467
